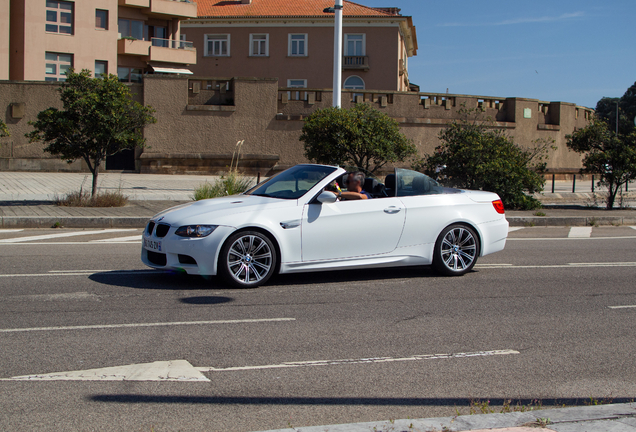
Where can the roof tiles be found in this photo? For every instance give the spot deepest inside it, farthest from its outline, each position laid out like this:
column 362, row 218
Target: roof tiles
column 281, row 8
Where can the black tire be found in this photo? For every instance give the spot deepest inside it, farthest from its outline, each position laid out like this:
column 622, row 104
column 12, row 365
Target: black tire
column 456, row 250
column 248, row 259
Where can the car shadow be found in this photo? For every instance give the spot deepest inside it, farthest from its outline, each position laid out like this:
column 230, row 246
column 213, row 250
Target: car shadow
column 328, row 401
column 171, row 280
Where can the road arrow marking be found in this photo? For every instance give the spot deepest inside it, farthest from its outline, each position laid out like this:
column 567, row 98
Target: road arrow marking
column 361, row 360
column 174, row 370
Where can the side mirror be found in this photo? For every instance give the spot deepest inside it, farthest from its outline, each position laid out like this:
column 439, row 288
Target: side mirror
column 326, row 197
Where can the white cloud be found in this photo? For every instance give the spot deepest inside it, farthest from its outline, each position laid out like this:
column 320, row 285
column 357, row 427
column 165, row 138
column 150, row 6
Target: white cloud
column 524, row 20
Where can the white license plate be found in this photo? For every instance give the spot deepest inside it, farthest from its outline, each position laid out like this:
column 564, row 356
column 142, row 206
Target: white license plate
column 152, row 245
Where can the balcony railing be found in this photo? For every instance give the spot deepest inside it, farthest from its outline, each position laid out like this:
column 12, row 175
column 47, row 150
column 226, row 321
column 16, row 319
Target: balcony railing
column 356, row 62
column 172, row 43
column 177, row 8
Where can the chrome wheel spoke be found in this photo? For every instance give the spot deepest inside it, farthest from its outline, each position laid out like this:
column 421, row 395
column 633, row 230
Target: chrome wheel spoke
column 249, row 259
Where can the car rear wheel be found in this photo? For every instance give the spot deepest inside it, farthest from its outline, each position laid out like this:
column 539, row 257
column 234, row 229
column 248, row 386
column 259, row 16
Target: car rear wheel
column 247, row 260
column 456, row 250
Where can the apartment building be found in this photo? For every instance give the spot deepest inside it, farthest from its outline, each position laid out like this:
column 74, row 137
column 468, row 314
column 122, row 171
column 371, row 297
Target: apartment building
column 292, row 40
column 129, row 38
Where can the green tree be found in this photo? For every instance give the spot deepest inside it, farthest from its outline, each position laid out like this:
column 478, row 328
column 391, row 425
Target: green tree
column 611, row 156
column 98, row 119
column 4, row 130
column 360, row 136
column 474, row 155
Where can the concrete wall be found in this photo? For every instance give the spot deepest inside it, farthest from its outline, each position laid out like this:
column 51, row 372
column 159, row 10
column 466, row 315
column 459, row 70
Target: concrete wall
column 4, row 38
column 201, row 119
column 30, row 41
column 383, row 47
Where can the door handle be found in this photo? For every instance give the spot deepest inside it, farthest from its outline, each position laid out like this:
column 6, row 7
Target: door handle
column 392, row 210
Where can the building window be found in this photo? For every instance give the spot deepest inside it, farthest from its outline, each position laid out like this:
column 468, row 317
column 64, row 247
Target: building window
column 59, row 17
column 129, row 75
column 101, row 68
column 354, row 83
column 297, row 83
column 217, row 45
column 259, row 45
column 101, row 19
column 57, row 64
column 130, row 29
column 355, row 45
column 297, row 45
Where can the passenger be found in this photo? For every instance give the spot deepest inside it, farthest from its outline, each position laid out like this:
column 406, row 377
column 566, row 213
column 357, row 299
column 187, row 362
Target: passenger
column 355, row 182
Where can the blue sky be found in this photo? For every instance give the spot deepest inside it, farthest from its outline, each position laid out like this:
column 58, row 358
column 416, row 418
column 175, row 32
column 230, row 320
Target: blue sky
column 559, row 50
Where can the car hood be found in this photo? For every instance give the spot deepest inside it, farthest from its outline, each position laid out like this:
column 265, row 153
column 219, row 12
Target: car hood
column 218, row 209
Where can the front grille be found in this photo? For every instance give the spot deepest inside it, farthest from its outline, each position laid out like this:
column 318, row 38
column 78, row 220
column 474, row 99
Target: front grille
column 151, row 226
column 187, row 259
column 157, row 258
column 162, row 230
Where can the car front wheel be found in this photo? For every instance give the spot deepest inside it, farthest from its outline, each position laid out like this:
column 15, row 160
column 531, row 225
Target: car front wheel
column 248, row 259
column 456, row 250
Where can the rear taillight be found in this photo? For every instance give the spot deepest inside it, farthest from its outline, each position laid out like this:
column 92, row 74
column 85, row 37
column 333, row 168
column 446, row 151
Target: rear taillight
column 498, row 205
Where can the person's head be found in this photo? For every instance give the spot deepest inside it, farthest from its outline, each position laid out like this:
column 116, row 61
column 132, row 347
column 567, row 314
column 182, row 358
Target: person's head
column 355, row 181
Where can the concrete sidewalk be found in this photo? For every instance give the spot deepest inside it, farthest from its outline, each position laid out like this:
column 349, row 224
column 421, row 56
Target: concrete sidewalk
column 27, row 201
column 596, row 418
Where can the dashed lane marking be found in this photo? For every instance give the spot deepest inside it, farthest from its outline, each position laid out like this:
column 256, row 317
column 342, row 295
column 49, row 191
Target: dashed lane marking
column 578, row 232
column 568, row 265
column 360, row 360
column 135, row 238
column 511, row 229
column 84, row 273
column 569, row 238
column 64, row 234
column 622, row 307
column 160, row 324
column 2, row 231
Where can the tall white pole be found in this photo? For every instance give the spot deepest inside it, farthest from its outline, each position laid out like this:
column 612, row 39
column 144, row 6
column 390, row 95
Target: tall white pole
column 337, row 56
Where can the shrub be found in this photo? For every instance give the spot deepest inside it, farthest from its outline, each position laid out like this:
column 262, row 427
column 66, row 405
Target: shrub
column 360, row 136
column 85, row 199
column 474, row 155
column 231, row 184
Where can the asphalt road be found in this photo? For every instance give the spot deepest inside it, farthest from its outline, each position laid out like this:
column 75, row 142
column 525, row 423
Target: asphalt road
column 543, row 305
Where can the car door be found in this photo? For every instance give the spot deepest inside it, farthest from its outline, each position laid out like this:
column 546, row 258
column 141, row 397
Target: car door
column 347, row 229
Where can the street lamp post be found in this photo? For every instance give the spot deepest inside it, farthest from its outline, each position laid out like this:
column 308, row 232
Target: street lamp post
column 337, row 53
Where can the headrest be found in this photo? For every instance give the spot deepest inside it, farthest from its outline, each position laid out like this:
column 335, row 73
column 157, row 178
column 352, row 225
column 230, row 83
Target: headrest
column 370, row 184
column 389, row 181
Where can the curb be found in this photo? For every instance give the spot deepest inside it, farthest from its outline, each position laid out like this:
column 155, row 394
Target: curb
column 74, row 221
column 598, row 418
column 546, row 221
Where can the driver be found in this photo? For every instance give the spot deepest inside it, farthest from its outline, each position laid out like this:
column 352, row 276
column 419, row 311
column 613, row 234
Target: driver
column 354, row 182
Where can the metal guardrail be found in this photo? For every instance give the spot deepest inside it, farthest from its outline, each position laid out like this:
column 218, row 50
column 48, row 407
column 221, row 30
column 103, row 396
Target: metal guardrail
column 172, row 43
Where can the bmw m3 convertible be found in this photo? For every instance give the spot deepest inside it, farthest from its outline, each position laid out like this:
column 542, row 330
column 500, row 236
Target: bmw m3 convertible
column 295, row 221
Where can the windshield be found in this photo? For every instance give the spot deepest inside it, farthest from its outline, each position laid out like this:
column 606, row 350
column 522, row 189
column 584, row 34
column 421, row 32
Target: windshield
column 292, row 183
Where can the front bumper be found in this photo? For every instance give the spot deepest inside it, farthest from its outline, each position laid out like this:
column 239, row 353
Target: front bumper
column 197, row 256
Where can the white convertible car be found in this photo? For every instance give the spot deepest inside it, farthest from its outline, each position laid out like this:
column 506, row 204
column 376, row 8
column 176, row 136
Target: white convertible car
column 290, row 223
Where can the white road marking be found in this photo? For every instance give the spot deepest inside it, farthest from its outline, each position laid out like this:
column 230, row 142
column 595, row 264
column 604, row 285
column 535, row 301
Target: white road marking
column 577, row 232
column 136, row 243
column 511, row 229
column 82, row 295
column 571, row 238
column 119, row 239
column 633, row 227
column 360, row 360
column 10, row 230
column 174, row 370
column 83, row 273
column 568, row 265
column 622, row 307
column 64, row 234
column 160, row 324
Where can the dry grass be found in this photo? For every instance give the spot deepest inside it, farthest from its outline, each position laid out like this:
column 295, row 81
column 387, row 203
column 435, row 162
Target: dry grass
column 84, row 199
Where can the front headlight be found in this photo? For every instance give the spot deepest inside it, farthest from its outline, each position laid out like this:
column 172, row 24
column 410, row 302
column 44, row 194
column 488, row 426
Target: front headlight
column 195, row 230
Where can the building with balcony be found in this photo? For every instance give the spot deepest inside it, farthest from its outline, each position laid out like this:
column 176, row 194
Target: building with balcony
column 292, row 40
column 130, row 38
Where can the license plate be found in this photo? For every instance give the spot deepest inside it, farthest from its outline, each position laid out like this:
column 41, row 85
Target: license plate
column 152, row 245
